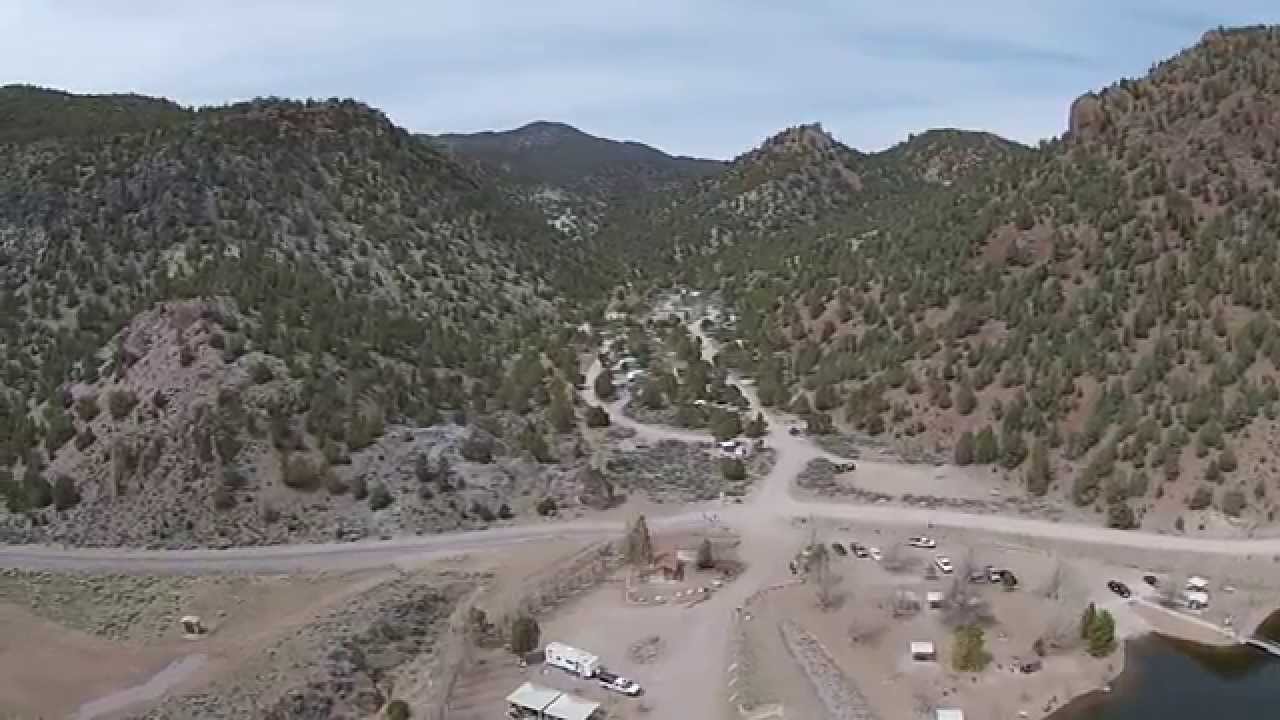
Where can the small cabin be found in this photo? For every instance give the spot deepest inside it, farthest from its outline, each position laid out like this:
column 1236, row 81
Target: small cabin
column 923, row 651
column 934, row 599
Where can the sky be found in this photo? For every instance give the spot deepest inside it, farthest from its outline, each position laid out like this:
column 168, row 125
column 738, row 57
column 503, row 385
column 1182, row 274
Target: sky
column 710, row 78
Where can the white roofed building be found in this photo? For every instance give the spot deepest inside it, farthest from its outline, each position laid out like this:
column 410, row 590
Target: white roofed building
column 571, row 707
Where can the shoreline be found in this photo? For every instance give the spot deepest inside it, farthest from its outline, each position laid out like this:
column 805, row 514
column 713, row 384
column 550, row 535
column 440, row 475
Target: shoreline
column 1165, row 627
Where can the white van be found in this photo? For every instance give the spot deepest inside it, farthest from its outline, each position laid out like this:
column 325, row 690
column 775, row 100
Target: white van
column 571, row 659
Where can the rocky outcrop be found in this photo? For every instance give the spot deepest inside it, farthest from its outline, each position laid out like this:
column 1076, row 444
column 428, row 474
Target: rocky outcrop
column 1087, row 119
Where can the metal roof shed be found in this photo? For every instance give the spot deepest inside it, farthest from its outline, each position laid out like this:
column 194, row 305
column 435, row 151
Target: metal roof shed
column 949, row 714
column 571, row 707
column 533, row 697
column 923, row 651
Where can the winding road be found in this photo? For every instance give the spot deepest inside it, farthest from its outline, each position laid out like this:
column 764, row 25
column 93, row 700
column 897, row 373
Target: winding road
column 771, row 501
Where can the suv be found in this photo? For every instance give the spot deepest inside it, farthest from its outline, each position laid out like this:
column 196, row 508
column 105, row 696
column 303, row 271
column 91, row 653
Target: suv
column 921, row 541
column 1119, row 588
column 944, row 564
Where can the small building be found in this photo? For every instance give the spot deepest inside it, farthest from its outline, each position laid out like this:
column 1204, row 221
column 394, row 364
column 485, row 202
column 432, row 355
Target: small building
column 668, row 566
column 192, row 627
column 529, row 700
column 571, row 707
column 1195, row 583
column 948, row 714
column 634, row 375
column 934, row 599
column 734, row 448
column 923, row 652
column 535, row 702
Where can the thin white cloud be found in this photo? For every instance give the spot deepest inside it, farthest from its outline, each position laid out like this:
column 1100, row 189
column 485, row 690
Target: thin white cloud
column 711, row 77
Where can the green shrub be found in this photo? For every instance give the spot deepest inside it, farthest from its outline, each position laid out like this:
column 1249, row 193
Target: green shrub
column 120, row 403
column 398, row 710
column 969, row 653
column 733, row 469
column 301, row 472
column 65, row 493
column 379, row 497
column 597, row 417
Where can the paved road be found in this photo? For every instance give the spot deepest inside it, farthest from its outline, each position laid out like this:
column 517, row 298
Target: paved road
column 770, row 502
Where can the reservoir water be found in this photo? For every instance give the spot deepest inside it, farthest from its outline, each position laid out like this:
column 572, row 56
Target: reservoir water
column 1168, row 679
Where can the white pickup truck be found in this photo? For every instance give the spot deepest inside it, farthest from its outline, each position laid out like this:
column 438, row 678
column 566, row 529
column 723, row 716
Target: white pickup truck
column 617, row 683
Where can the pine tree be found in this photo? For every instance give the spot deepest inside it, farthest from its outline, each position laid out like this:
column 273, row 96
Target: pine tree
column 603, row 386
column 525, row 634
column 560, row 413
column 1087, row 621
column 1039, row 474
column 638, row 547
column 706, row 555
column 966, row 401
column 986, row 449
column 965, row 448
column 1101, row 634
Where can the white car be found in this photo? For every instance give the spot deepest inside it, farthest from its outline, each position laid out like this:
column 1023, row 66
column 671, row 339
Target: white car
column 921, row 541
column 875, row 554
column 618, row 684
column 944, row 564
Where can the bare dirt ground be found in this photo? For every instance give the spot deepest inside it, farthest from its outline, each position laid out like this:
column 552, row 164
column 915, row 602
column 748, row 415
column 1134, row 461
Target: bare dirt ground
column 87, row 666
column 871, row 645
column 116, row 632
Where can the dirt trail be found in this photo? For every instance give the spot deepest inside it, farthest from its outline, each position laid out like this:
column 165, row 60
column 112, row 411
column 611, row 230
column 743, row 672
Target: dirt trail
column 771, row 500
column 151, row 690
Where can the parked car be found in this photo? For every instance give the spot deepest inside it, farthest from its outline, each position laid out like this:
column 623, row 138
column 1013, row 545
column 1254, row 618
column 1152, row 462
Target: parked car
column 1000, row 576
column 845, row 467
column 979, row 576
column 1119, row 588
column 1151, row 580
column 921, row 541
column 794, row 431
column 859, row 550
column 875, row 554
column 944, row 564
column 839, row 548
column 618, row 684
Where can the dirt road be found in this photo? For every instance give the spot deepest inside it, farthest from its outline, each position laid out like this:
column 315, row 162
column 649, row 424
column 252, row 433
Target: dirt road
column 770, row 502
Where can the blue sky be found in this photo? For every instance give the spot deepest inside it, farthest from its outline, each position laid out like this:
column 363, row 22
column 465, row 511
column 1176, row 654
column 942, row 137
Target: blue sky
column 700, row 77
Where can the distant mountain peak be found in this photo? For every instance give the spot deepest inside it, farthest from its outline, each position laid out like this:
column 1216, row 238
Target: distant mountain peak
column 556, row 154
column 801, row 138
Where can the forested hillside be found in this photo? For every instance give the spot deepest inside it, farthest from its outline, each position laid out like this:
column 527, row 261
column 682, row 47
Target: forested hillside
column 1096, row 316
column 271, row 285
column 356, row 271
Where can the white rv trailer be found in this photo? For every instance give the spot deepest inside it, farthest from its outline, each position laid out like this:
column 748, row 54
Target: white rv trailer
column 578, row 662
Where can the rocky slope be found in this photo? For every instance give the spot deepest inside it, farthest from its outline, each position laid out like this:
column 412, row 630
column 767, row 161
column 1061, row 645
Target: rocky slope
column 1094, row 316
column 349, row 278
